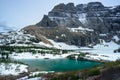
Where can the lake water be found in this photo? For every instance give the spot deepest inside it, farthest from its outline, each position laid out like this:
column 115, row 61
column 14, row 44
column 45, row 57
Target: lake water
column 58, row 65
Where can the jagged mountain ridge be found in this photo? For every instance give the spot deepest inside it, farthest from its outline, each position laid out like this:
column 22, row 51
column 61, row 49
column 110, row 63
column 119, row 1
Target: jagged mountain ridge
column 92, row 15
column 80, row 25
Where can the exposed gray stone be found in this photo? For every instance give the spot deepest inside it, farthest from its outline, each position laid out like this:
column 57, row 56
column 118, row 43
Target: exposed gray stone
column 46, row 22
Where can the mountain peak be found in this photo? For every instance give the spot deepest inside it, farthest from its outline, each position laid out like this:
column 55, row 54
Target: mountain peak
column 46, row 22
column 95, row 5
column 59, row 7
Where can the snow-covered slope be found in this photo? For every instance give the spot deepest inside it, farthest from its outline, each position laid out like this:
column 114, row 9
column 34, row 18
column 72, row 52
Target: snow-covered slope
column 104, row 51
column 59, row 45
column 12, row 68
column 18, row 38
column 82, row 18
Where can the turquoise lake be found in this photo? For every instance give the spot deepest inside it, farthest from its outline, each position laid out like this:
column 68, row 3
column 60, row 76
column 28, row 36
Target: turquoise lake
column 58, row 65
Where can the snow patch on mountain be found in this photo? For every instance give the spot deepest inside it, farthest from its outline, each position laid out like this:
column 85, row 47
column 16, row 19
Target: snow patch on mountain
column 116, row 38
column 82, row 18
column 58, row 45
column 62, row 45
column 80, row 29
column 102, row 34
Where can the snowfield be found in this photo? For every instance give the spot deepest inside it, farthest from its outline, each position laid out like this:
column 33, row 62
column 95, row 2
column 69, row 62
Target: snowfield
column 12, row 69
column 104, row 51
column 38, row 56
column 58, row 45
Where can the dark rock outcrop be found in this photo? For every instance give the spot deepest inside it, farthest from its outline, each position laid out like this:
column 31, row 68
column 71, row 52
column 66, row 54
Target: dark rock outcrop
column 61, row 34
column 95, row 6
column 46, row 22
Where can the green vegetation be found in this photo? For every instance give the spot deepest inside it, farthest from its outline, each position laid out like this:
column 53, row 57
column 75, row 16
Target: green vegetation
column 5, row 51
column 83, row 54
column 90, row 72
column 32, row 49
column 109, row 65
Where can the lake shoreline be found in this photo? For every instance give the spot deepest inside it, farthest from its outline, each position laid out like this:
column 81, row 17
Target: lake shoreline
column 54, row 64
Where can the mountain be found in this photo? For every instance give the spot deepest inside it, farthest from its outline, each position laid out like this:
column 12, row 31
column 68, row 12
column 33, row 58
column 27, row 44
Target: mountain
column 80, row 25
column 93, row 15
column 66, row 24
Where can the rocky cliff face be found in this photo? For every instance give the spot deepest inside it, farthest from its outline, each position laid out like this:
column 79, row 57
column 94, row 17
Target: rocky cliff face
column 81, row 25
column 93, row 15
column 46, row 22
